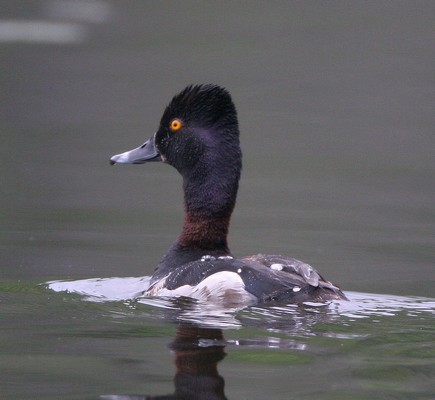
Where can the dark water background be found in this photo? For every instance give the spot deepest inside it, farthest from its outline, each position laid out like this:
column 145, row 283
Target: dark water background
column 336, row 106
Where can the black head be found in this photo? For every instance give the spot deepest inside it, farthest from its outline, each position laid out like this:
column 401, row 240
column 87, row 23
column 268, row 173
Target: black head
column 199, row 129
column 201, row 120
column 201, row 105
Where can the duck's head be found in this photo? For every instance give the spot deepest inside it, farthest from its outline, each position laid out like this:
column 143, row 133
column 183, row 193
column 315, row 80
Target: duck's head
column 198, row 133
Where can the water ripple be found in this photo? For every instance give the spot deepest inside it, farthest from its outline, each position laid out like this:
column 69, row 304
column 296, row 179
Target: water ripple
column 275, row 318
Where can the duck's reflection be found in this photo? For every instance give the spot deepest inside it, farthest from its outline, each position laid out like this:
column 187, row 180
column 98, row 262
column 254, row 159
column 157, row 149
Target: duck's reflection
column 197, row 354
column 199, row 343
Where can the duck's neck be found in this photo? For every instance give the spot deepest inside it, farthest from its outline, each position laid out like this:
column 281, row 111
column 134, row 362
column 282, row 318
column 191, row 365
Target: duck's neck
column 209, row 200
column 205, row 234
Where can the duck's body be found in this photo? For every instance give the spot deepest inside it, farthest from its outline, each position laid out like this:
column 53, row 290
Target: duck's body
column 199, row 136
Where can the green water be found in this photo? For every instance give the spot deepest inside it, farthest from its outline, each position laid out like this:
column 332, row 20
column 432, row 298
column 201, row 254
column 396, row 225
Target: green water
column 59, row 345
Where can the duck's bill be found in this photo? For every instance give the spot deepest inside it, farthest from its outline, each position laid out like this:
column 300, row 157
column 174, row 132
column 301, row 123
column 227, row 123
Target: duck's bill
column 145, row 153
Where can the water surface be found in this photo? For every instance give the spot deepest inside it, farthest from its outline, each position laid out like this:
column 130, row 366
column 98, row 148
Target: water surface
column 80, row 340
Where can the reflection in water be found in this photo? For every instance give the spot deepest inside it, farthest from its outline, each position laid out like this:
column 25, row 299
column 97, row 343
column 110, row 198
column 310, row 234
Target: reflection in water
column 197, row 354
column 197, row 376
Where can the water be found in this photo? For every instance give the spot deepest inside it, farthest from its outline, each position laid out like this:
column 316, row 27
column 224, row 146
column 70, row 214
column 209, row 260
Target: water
column 94, row 345
column 335, row 102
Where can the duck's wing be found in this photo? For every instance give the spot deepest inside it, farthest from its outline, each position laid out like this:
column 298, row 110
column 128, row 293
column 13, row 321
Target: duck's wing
column 265, row 277
column 293, row 267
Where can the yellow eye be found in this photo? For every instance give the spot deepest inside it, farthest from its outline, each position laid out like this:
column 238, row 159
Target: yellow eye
column 175, row 125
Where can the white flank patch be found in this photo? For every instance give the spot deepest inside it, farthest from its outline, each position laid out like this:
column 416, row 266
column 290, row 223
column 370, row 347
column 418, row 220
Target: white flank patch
column 224, row 287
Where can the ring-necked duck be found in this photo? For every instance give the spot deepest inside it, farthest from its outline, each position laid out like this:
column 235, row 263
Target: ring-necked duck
column 199, row 136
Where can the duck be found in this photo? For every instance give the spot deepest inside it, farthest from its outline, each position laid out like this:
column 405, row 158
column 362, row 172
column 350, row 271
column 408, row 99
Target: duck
column 199, row 135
